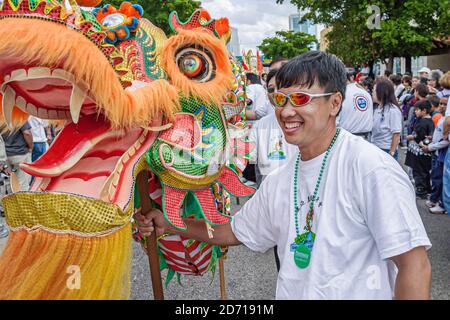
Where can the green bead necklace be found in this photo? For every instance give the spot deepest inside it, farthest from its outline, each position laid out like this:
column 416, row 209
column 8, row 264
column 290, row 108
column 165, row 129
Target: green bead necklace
column 304, row 243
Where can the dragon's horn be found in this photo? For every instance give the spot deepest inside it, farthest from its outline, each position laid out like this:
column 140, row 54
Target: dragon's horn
column 88, row 3
column 201, row 19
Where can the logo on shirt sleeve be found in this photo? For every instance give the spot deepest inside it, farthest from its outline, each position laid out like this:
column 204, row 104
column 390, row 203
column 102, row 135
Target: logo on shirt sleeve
column 361, row 103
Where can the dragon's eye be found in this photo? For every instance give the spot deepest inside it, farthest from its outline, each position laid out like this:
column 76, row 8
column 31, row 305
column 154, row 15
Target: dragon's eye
column 191, row 65
column 195, row 64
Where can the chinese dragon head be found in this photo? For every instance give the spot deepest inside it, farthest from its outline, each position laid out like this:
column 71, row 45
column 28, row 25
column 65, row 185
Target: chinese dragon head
column 132, row 100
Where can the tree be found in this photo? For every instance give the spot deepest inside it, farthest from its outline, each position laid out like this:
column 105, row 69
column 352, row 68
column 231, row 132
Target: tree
column 407, row 27
column 287, row 44
column 157, row 11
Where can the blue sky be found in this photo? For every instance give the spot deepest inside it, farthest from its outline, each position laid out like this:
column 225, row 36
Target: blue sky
column 255, row 19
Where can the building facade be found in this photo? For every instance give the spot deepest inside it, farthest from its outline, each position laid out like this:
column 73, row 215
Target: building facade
column 305, row 27
column 234, row 46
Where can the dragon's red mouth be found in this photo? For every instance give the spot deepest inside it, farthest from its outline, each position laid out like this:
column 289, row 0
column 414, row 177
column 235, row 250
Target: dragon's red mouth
column 89, row 157
column 47, row 93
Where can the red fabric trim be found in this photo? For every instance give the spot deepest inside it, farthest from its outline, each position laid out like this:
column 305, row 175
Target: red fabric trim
column 173, row 199
column 231, row 182
column 208, row 205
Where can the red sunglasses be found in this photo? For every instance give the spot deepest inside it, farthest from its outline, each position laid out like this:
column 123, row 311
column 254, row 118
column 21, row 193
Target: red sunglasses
column 297, row 99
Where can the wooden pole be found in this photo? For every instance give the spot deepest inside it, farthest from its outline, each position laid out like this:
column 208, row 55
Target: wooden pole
column 151, row 243
column 223, row 291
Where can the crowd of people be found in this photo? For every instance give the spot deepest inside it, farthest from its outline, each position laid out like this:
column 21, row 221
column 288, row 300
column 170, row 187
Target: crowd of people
column 394, row 112
column 21, row 145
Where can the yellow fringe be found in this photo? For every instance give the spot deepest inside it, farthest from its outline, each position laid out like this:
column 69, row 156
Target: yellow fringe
column 40, row 265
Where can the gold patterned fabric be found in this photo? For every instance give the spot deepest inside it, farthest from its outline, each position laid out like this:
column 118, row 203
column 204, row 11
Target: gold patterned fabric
column 64, row 213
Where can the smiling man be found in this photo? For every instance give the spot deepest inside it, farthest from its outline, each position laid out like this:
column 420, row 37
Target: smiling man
column 342, row 213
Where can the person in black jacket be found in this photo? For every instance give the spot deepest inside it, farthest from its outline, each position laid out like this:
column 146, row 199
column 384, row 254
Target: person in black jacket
column 416, row 158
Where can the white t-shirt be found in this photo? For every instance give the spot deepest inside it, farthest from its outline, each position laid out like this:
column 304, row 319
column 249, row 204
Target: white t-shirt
column 357, row 110
column 386, row 122
column 399, row 90
column 272, row 151
column 260, row 101
column 366, row 213
column 38, row 129
column 438, row 137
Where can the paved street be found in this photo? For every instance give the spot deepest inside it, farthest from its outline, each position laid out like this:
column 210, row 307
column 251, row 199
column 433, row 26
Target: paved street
column 250, row 275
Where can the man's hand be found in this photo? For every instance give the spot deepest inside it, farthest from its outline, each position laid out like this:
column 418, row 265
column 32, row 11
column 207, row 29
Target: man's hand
column 148, row 221
column 425, row 149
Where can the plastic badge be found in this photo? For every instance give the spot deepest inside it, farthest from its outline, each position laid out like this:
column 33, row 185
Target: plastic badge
column 302, row 256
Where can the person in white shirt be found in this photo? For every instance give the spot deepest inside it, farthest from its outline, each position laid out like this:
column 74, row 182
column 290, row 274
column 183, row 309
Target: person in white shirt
column 258, row 105
column 271, row 151
column 356, row 115
column 4, row 232
column 387, row 119
column 425, row 72
column 439, row 146
column 343, row 214
column 41, row 136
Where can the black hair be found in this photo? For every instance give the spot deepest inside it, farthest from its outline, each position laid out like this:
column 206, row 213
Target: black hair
column 351, row 75
column 387, row 73
column 271, row 74
column 434, row 100
column 253, row 78
column 277, row 60
column 396, row 79
column 424, row 80
column 385, row 92
column 422, row 90
column 407, row 79
column 368, row 82
column 314, row 67
column 423, row 105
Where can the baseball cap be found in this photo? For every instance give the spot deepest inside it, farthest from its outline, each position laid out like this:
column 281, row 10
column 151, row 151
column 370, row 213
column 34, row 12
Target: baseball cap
column 425, row 69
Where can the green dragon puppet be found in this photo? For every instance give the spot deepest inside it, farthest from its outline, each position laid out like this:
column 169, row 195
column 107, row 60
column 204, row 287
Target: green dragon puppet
column 133, row 101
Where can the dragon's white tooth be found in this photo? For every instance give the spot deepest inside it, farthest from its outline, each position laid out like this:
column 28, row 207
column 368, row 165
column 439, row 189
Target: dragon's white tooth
column 142, row 139
column 8, row 102
column 39, row 72
column 125, row 159
column 116, row 178
column 62, row 114
column 131, row 151
column 63, row 74
column 18, row 75
column 42, row 113
column 31, row 109
column 15, row 184
column 137, row 145
column 76, row 102
column 21, row 103
column 52, row 114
